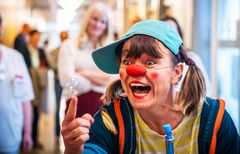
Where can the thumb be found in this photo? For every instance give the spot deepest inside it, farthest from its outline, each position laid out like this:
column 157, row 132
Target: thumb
column 72, row 110
column 88, row 117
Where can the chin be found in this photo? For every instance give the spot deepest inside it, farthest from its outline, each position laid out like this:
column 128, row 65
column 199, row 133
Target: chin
column 139, row 103
column 140, row 106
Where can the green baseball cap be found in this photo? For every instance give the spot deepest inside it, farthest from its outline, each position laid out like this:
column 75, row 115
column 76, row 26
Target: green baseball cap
column 105, row 57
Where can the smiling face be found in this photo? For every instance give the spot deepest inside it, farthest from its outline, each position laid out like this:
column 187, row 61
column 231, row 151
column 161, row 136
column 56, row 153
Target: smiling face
column 147, row 72
column 97, row 24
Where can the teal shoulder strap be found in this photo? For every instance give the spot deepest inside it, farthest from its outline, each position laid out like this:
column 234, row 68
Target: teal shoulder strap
column 211, row 117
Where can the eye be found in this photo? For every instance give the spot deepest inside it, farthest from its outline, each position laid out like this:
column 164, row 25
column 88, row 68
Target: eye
column 95, row 18
column 103, row 22
column 150, row 62
column 126, row 62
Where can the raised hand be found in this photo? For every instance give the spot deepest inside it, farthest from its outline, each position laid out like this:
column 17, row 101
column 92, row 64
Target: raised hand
column 75, row 131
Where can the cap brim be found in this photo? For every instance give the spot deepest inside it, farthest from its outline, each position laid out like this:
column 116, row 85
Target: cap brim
column 105, row 57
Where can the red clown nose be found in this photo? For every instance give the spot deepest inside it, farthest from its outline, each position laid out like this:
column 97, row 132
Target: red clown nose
column 136, row 70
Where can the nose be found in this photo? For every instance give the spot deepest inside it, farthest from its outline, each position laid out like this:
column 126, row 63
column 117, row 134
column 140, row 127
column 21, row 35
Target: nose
column 136, row 70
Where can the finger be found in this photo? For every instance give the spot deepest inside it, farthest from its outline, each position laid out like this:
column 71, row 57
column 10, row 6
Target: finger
column 76, row 133
column 78, row 122
column 80, row 140
column 81, row 148
column 72, row 110
column 88, row 117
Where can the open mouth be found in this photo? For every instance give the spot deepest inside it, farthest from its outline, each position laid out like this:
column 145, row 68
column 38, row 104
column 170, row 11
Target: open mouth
column 139, row 89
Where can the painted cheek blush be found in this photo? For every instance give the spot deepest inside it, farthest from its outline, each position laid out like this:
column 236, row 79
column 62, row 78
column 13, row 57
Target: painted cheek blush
column 121, row 74
column 154, row 75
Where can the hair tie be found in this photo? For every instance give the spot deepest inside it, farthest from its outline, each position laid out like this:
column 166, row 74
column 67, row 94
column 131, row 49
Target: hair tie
column 189, row 61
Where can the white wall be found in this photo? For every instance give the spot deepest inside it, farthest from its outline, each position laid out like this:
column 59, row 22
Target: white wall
column 182, row 10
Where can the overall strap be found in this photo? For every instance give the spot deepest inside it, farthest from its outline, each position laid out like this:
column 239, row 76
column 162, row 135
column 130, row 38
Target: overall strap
column 126, row 126
column 118, row 112
column 217, row 125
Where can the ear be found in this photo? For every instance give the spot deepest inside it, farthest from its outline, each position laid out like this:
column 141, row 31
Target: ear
column 177, row 73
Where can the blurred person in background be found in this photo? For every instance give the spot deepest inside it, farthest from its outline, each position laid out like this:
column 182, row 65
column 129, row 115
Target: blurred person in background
column 37, row 64
column 53, row 61
column 37, row 55
column 20, row 42
column 16, row 93
column 75, row 59
column 45, row 46
column 115, row 36
column 174, row 23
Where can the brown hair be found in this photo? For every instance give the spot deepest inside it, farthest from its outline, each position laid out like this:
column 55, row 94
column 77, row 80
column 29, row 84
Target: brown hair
column 193, row 88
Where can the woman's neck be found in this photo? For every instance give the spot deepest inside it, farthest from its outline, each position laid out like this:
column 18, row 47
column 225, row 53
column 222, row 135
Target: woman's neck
column 93, row 39
column 156, row 118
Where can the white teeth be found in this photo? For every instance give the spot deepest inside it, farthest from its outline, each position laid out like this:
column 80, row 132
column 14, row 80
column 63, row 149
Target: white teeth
column 137, row 84
column 140, row 94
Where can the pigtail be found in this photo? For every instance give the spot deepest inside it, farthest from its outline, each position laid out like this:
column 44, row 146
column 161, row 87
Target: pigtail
column 113, row 91
column 193, row 89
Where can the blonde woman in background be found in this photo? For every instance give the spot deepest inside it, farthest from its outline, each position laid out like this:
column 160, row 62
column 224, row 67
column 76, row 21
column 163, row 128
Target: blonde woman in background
column 75, row 59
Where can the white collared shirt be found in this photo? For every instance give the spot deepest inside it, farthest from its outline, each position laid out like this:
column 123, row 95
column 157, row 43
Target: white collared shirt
column 72, row 58
column 15, row 89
